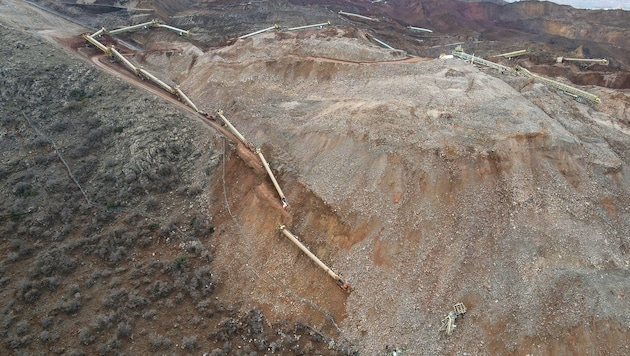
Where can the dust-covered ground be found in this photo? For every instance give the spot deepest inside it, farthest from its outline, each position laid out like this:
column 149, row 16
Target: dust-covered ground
column 424, row 182
column 446, row 184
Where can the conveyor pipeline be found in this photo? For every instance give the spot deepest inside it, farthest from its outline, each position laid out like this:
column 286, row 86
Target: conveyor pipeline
column 345, row 286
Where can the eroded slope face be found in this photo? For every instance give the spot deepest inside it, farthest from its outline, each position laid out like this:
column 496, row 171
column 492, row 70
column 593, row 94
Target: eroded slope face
column 452, row 185
column 424, row 182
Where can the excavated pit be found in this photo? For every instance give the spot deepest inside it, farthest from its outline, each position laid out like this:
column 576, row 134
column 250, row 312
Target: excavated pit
column 425, row 182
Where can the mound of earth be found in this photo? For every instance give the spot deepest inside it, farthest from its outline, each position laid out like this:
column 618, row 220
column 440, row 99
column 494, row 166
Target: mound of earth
column 446, row 184
column 425, row 182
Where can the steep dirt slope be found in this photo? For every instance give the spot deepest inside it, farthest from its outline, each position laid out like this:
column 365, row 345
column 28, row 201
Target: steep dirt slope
column 107, row 230
column 446, row 185
column 425, row 182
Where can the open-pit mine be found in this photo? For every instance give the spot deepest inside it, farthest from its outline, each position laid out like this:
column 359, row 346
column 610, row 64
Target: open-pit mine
column 405, row 177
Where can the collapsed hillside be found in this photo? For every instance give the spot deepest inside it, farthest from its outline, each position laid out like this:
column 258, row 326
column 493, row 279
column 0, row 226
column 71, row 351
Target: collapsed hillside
column 425, row 182
column 485, row 28
column 451, row 185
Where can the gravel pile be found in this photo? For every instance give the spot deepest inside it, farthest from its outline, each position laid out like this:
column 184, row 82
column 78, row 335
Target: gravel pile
column 463, row 186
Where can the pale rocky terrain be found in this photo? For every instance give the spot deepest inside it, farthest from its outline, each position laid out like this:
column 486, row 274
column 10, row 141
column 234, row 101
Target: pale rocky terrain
column 424, row 181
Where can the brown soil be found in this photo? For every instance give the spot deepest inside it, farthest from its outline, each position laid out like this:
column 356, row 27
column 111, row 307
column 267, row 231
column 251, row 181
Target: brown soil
column 425, row 182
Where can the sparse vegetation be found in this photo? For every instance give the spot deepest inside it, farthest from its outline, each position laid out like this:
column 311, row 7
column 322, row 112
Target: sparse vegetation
column 159, row 342
column 179, row 262
column 189, row 343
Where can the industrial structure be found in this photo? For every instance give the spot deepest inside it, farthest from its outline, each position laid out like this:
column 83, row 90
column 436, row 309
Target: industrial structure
column 419, row 29
column 141, row 26
column 586, row 61
column 383, row 44
column 283, row 198
column 136, row 70
column 357, row 16
column 345, row 286
column 578, row 94
column 318, row 26
column 448, row 323
column 274, row 27
column 176, row 91
column 510, row 55
column 459, row 52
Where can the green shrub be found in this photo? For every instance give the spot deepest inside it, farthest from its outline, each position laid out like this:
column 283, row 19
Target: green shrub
column 179, row 261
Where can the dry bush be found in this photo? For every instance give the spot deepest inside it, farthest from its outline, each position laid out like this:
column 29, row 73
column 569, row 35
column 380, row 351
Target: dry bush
column 48, row 337
column 159, row 290
column 159, row 342
column 26, row 291
column 86, row 336
column 115, row 299
column 189, row 343
column 52, row 261
column 69, row 307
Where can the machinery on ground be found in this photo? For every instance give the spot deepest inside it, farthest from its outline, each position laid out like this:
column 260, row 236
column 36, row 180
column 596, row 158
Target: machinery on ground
column 448, row 323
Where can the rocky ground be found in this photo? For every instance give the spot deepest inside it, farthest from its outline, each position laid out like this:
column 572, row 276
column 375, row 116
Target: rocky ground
column 107, row 230
column 426, row 182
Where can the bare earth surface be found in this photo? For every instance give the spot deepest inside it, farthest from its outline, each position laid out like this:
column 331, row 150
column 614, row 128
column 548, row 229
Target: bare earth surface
column 425, row 182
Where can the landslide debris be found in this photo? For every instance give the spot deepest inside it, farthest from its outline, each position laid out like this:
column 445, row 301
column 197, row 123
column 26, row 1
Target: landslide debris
column 426, row 183
column 456, row 185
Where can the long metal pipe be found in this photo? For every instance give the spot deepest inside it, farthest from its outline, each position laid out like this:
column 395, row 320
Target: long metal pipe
column 157, row 81
column 513, row 54
column 232, row 128
column 357, row 15
column 260, row 31
column 133, row 27
column 99, row 32
column 273, row 178
column 125, row 61
column 420, row 29
column 96, row 43
column 340, row 281
column 185, row 98
column 380, row 42
column 458, row 52
column 602, row 61
column 319, row 25
column 567, row 88
column 178, row 30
